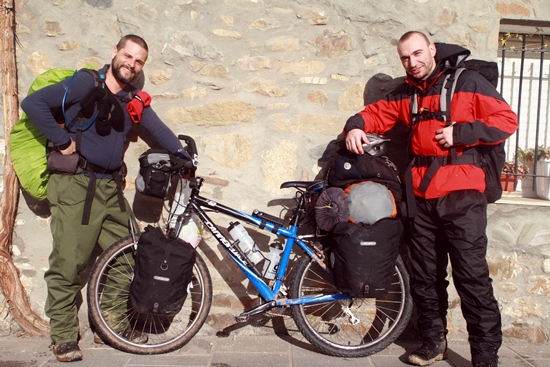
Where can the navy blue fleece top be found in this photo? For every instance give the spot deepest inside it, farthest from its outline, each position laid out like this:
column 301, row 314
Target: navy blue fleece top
column 103, row 151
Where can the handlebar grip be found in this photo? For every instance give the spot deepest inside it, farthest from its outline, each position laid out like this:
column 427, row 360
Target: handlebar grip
column 192, row 147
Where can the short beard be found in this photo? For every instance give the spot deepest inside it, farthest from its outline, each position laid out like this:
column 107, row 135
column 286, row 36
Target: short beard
column 118, row 75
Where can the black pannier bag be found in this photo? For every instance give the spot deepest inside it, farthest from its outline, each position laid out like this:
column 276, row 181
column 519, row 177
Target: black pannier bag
column 363, row 257
column 162, row 273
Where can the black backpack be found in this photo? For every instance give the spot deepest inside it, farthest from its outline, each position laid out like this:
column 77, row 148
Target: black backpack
column 163, row 271
column 347, row 168
column 490, row 158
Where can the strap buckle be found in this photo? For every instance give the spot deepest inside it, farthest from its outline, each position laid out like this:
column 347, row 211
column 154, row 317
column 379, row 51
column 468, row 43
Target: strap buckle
column 82, row 163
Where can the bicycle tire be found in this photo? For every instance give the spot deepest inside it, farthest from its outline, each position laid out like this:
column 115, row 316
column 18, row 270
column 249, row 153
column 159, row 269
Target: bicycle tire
column 329, row 327
column 164, row 334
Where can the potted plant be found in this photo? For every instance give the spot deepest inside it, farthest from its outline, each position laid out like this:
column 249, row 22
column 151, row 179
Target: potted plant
column 508, row 172
column 527, row 157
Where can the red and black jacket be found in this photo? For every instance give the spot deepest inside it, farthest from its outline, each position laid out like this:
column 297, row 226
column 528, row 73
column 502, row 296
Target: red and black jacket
column 482, row 117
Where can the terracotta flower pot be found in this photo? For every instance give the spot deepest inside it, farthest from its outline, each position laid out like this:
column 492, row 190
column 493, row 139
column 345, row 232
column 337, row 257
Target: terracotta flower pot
column 507, row 182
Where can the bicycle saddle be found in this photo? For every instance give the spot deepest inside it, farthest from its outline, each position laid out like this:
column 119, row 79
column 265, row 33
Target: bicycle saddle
column 309, row 185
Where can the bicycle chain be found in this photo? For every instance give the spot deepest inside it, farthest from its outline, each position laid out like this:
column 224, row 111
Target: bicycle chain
column 278, row 312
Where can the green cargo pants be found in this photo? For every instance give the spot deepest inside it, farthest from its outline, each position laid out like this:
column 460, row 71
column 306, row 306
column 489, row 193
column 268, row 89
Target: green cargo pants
column 73, row 244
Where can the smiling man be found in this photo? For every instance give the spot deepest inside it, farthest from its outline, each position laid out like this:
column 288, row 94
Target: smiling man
column 417, row 57
column 88, row 207
column 450, row 205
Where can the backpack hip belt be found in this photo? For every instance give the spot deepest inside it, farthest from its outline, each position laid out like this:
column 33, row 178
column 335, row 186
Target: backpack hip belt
column 434, row 163
column 90, row 167
column 448, row 160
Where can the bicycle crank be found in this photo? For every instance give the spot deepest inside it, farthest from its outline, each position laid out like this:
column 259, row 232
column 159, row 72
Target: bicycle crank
column 255, row 311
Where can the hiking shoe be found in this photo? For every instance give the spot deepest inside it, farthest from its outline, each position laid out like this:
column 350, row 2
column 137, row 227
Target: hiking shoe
column 67, row 352
column 430, row 352
column 484, row 362
column 135, row 337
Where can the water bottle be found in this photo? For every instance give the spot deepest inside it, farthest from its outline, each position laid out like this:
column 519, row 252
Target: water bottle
column 271, row 264
column 246, row 243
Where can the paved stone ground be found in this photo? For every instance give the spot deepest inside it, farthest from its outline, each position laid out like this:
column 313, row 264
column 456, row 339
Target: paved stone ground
column 236, row 349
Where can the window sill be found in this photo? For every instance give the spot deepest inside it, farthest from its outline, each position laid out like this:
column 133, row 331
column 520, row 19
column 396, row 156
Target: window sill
column 515, row 197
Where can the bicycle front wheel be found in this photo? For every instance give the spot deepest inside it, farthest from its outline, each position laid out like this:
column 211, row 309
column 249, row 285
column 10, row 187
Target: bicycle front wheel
column 122, row 327
column 353, row 327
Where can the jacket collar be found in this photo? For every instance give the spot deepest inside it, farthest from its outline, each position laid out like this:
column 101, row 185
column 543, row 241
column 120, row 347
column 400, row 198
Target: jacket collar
column 429, row 82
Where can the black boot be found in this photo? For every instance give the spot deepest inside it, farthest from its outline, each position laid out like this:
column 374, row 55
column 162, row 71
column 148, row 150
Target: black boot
column 479, row 361
column 432, row 350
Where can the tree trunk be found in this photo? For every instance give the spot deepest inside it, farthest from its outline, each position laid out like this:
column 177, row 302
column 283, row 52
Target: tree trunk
column 10, row 283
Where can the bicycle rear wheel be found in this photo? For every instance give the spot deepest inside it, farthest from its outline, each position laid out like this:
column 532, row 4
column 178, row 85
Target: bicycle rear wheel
column 108, row 293
column 353, row 327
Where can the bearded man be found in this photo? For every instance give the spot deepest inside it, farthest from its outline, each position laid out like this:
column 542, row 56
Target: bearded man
column 88, row 207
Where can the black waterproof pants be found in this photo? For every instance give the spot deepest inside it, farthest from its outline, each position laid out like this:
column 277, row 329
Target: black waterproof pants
column 453, row 227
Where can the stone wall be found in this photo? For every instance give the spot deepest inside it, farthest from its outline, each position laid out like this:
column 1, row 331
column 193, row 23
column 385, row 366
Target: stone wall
column 263, row 86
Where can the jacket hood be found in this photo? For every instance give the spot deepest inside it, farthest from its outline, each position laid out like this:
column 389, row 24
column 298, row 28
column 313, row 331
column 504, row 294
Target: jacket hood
column 450, row 55
column 446, row 56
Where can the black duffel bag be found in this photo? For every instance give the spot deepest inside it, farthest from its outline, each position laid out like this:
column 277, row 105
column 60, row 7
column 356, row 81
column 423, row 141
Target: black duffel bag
column 163, row 270
column 363, row 256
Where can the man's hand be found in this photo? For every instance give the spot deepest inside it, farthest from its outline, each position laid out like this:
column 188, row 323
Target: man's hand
column 70, row 149
column 444, row 136
column 355, row 139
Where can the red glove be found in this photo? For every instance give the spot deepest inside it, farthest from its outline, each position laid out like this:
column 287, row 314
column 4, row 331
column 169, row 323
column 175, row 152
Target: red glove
column 137, row 104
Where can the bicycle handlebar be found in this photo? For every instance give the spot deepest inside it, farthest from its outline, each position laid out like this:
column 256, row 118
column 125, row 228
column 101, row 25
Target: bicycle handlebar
column 192, row 150
column 376, row 146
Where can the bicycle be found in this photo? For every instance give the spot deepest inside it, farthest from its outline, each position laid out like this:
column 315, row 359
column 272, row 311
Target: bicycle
column 331, row 321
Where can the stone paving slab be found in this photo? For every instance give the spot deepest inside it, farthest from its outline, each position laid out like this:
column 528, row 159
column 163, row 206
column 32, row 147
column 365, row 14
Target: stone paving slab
column 254, row 351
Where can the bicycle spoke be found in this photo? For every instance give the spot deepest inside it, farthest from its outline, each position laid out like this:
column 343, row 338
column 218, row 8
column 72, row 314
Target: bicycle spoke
column 353, row 327
column 111, row 310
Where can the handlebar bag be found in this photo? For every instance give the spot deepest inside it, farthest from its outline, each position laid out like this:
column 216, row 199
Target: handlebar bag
column 155, row 175
column 163, row 271
column 363, row 256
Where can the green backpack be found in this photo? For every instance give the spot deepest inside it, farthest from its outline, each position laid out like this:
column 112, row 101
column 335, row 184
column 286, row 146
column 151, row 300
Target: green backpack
column 28, row 144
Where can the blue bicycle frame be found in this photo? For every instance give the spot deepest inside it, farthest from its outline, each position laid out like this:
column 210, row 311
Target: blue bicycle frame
column 197, row 203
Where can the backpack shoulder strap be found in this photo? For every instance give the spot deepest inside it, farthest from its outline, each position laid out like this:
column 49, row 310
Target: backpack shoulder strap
column 446, row 97
column 98, row 78
column 447, row 92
